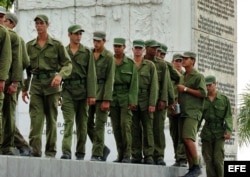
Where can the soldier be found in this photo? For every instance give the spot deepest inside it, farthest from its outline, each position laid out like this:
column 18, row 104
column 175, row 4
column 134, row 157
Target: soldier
column 175, row 119
column 192, row 91
column 10, row 98
column 142, row 121
column 5, row 61
column 125, row 96
column 79, row 91
column 162, row 102
column 98, row 113
column 49, row 64
column 217, row 128
column 20, row 143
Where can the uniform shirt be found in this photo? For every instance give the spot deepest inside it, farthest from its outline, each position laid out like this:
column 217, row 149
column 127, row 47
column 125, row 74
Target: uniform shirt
column 105, row 71
column 24, row 54
column 192, row 106
column 16, row 69
column 126, row 83
column 83, row 69
column 174, row 76
column 218, row 117
column 5, row 53
column 148, row 85
column 53, row 57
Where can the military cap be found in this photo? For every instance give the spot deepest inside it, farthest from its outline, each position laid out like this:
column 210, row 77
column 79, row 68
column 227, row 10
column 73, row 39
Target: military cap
column 164, row 48
column 210, row 79
column 12, row 17
column 189, row 55
column 99, row 35
column 177, row 56
column 75, row 28
column 2, row 10
column 152, row 43
column 138, row 43
column 42, row 17
column 119, row 41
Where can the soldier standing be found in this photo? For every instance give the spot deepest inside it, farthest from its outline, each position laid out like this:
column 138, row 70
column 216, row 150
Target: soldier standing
column 49, row 64
column 79, row 91
column 125, row 96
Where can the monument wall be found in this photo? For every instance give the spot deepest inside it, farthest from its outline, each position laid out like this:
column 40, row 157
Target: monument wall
column 206, row 27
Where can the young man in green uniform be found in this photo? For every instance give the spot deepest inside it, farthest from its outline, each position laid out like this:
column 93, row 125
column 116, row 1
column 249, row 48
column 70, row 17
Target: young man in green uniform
column 125, row 96
column 98, row 113
column 142, row 121
column 162, row 102
column 192, row 92
column 5, row 61
column 20, row 143
column 11, row 88
column 79, row 91
column 217, row 128
column 49, row 64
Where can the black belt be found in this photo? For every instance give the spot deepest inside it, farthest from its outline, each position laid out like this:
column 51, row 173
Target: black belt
column 141, row 90
column 44, row 75
column 101, row 81
column 74, row 82
column 121, row 87
column 214, row 124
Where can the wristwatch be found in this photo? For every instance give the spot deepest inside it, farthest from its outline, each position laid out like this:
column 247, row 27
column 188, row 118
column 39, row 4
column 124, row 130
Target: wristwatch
column 185, row 89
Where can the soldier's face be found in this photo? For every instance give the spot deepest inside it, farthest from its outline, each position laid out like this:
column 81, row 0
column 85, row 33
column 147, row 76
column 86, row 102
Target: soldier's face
column 211, row 87
column 41, row 26
column 2, row 18
column 8, row 23
column 177, row 64
column 99, row 44
column 119, row 49
column 138, row 51
column 186, row 62
column 75, row 37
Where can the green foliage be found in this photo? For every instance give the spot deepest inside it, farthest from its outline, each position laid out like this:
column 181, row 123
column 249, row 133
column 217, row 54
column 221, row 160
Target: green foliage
column 243, row 120
column 7, row 3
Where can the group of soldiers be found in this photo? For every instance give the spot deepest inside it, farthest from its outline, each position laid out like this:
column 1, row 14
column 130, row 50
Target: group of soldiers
column 92, row 84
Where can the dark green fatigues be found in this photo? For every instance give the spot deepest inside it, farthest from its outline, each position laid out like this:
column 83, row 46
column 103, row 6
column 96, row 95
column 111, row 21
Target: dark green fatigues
column 10, row 100
column 142, row 121
column 105, row 71
column 79, row 86
column 218, row 121
column 5, row 62
column 45, row 63
column 125, row 93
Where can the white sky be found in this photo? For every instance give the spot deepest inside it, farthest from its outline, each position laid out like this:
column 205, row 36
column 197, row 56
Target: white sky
column 243, row 49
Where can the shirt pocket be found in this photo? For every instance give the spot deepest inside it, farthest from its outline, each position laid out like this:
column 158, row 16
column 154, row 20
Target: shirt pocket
column 51, row 60
column 144, row 79
column 219, row 111
column 126, row 76
column 101, row 71
column 33, row 60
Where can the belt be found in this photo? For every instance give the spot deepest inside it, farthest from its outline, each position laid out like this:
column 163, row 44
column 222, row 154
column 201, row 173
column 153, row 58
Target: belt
column 101, row 81
column 44, row 75
column 74, row 82
column 214, row 124
column 141, row 90
column 121, row 87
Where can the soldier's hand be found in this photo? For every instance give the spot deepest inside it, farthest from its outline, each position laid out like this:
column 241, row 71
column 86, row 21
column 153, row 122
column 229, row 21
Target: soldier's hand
column 24, row 95
column 91, row 101
column 171, row 108
column 12, row 88
column 151, row 109
column 161, row 105
column 56, row 81
column 2, row 85
column 132, row 107
column 180, row 88
column 105, row 105
column 227, row 136
column 60, row 101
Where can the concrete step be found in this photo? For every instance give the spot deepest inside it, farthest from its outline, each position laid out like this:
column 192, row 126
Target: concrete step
column 16, row 166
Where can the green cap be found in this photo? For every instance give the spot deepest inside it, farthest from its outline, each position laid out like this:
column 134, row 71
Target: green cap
column 177, row 56
column 2, row 10
column 12, row 17
column 42, row 17
column 75, row 28
column 189, row 55
column 138, row 43
column 119, row 41
column 163, row 48
column 99, row 35
column 152, row 43
column 210, row 79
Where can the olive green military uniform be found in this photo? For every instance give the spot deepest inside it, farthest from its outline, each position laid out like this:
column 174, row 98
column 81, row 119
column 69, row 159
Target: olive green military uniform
column 142, row 122
column 10, row 100
column 125, row 93
column 79, row 86
column 5, row 63
column 45, row 63
column 218, row 121
column 160, row 115
column 105, row 71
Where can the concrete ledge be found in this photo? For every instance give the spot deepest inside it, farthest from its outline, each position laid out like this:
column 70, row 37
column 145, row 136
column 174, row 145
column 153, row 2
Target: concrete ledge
column 17, row 166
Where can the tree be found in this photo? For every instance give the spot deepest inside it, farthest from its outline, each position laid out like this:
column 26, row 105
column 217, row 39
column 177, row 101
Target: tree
column 7, row 3
column 243, row 120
